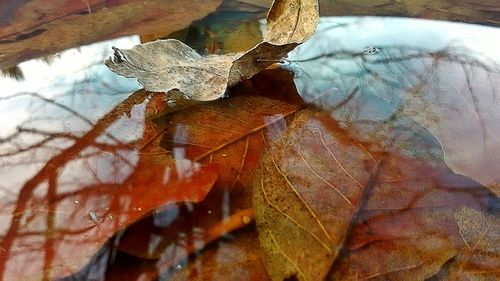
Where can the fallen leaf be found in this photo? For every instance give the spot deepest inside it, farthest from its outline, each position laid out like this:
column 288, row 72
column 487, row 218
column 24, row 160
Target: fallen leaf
column 320, row 190
column 406, row 229
column 480, row 255
column 291, row 21
column 56, row 224
column 166, row 65
column 169, row 64
column 295, row 205
column 232, row 258
column 253, row 115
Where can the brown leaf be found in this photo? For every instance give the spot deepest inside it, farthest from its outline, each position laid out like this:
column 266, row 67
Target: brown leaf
column 480, row 255
column 453, row 90
column 56, row 224
column 291, row 21
column 406, row 229
column 319, row 190
column 303, row 209
column 233, row 258
column 166, row 65
column 254, row 114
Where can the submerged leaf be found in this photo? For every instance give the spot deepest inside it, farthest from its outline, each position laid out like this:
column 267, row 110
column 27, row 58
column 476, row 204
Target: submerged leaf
column 303, row 209
column 319, row 190
column 480, row 256
column 64, row 213
column 254, row 114
column 34, row 28
column 449, row 85
column 234, row 258
column 166, row 65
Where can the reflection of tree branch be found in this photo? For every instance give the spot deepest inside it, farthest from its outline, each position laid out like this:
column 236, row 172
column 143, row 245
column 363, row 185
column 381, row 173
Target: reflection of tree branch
column 52, row 167
column 57, row 104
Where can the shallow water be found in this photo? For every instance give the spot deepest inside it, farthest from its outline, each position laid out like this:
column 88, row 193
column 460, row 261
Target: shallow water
column 381, row 146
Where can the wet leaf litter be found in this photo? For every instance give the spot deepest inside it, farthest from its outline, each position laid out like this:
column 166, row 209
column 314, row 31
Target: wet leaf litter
column 342, row 186
column 304, row 229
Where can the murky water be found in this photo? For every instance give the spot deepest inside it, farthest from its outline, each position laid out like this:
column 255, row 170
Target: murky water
column 376, row 159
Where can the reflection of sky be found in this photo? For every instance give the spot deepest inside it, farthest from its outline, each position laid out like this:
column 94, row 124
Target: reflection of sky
column 77, row 77
column 442, row 76
column 339, row 67
column 356, row 33
column 78, row 81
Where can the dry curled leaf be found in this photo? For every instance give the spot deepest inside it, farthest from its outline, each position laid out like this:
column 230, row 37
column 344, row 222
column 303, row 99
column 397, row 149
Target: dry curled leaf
column 291, row 21
column 165, row 65
column 170, row 64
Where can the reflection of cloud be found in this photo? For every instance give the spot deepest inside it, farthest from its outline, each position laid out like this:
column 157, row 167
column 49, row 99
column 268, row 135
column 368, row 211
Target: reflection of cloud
column 72, row 64
column 77, row 74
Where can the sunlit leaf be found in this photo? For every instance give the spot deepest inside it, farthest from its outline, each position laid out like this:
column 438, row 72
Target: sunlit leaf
column 291, row 21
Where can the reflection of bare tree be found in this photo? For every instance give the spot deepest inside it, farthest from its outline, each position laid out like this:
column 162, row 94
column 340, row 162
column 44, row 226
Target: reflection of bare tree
column 451, row 91
column 47, row 176
column 14, row 72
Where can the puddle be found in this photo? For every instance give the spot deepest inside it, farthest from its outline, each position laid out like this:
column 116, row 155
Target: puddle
column 383, row 143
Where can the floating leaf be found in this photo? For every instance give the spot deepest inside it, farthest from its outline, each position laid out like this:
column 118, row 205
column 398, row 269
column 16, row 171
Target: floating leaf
column 170, row 64
column 319, row 190
column 167, row 65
